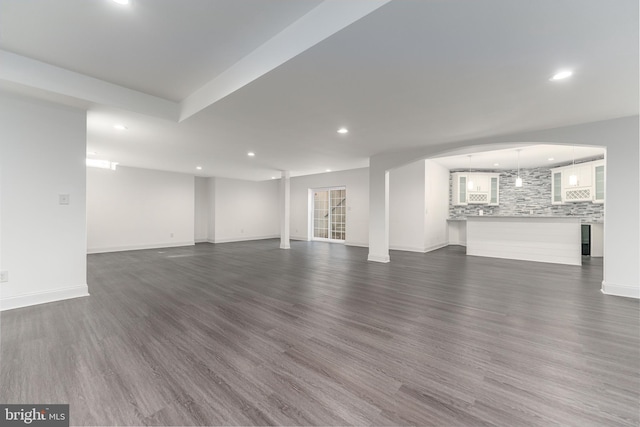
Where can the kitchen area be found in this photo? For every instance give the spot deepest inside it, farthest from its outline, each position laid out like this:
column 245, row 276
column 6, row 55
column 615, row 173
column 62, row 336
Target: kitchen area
column 540, row 203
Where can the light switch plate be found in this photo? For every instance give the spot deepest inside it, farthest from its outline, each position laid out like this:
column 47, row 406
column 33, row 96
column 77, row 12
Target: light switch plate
column 63, row 199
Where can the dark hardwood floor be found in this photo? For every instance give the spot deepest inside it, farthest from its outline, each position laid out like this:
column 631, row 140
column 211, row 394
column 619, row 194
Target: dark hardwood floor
column 248, row 334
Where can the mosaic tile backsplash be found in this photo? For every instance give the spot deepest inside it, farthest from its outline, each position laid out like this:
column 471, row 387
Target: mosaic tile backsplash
column 533, row 198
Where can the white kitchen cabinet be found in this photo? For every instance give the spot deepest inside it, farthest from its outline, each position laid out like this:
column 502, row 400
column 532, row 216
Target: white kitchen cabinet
column 459, row 189
column 598, row 182
column 475, row 188
column 587, row 186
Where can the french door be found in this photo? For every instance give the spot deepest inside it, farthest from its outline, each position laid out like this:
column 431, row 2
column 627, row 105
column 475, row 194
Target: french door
column 330, row 214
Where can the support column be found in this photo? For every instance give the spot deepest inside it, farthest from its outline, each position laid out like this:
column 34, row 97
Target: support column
column 285, row 215
column 378, row 213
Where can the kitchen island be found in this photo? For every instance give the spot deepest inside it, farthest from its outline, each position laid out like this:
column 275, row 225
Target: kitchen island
column 530, row 238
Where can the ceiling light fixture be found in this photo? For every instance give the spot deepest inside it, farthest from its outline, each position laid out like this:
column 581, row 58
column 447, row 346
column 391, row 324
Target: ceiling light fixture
column 343, row 130
column 561, row 75
column 251, row 154
column 120, row 127
column 328, row 170
column 469, row 181
column 518, row 179
column 273, row 177
column 122, row 2
column 496, row 164
column 199, row 168
column 551, row 159
column 573, row 178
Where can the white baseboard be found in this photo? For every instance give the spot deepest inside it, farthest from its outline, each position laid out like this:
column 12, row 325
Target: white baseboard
column 378, row 258
column 457, row 243
column 303, row 238
column 43, row 297
column 422, row 250
column 201, row 240
column 139, row 247
column 358, row 244
column 244, row 239
column 620, row 290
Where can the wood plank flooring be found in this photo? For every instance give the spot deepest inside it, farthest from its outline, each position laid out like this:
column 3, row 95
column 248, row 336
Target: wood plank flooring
column 249, row 334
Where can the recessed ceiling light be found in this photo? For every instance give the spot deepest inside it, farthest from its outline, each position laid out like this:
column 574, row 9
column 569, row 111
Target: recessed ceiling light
column 343, row 130
column 561, row 75
column 328, row 170
column 251, row 154
column 199, row 168
column 496, row 164
column 550, row 159
column 120, row 126
column 122, row 2
column 273, row 177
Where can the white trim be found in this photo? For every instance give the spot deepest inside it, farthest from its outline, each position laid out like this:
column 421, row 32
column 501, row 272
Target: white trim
column 35, row 298
column 359, row 244
column 620, row 290
column 423, row 250
column 205, row 240
column 139, row 247
column 378, row 258
column 303, row 238
column 244, row 239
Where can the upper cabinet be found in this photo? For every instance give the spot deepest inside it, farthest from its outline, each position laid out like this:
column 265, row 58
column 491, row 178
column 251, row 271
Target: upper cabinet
column 475, row 188
column 583, row 182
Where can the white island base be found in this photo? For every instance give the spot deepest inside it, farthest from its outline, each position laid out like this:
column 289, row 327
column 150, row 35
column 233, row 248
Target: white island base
column 543, row 239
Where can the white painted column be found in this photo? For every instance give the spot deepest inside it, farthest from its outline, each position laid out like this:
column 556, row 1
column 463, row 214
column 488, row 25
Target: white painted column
column 378, row 213
column 285, row 211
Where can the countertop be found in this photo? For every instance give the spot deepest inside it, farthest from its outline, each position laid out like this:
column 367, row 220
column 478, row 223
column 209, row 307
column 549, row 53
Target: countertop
column 584, row 220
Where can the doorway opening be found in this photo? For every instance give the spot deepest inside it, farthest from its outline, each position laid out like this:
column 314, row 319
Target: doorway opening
column 329, row 212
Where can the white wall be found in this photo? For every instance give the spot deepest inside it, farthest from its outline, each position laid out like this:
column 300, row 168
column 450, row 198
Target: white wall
column 43, row 246
column 201, row 232
column 407, row 198
column 436, row 205
column 245, row 210
column 132, row 208
column 418, row 206
column 356, row 182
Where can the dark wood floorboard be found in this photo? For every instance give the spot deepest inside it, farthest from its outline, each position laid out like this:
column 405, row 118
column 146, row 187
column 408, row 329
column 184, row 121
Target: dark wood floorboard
column 248, row 334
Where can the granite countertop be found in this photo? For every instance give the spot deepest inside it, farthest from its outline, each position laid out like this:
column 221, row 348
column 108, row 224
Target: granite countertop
column 585, row 220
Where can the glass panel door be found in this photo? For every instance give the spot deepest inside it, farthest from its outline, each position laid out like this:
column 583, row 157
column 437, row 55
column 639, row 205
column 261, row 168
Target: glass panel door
column 330, row 214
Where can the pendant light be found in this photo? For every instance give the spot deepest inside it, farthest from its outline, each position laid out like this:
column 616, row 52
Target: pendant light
column 518, row 179
column 469, row 182
column 573, row 178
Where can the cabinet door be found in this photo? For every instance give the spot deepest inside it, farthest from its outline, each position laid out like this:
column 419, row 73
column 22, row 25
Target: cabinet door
column 556, row 188
column 462, row 190
column 493, row 193
column 481, row 182
column 599, row 183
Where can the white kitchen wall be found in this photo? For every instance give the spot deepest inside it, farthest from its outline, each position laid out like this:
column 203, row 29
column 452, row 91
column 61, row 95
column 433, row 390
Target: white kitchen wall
column 357, row 183
column 245, row 210
column 201, row 232
column 407, row 199
column 436, row 205
column 43, row 246
column 132, row 208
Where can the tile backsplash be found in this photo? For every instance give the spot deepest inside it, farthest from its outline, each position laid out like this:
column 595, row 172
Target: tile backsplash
column 533, row 198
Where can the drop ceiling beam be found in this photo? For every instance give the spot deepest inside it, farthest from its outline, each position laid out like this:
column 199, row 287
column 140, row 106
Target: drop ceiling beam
column 320, row 23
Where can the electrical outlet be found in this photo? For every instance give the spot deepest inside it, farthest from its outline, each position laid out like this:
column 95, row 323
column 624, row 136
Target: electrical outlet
column 63, row 199
column 4, row 276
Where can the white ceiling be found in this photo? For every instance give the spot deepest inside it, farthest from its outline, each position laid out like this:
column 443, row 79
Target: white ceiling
column 161, row 47
column 531, row 156
column 408, row 74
